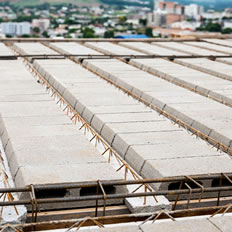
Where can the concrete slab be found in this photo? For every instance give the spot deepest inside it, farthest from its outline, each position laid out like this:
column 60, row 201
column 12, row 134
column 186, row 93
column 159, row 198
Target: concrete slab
column 189, row 78
column 136, row 205
column 217, row 69
column 150, row 48
column 110, row 48
column 34, row 48
column 223, row 223
column 38, row 152
column 73, row 48
column 224, row 42
column 4, row 50
column 185, row 166
column 212, row 47
column 181, row 226
column 187, row 48
column 126, row 228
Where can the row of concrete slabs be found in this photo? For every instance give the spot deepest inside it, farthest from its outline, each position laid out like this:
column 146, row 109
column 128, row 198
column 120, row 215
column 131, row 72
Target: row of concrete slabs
column 193, row 79
column 134, row 131
column 42, row 145
column 202, row 114
column 223, row 42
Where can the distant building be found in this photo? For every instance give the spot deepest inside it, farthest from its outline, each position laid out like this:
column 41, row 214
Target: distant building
column 227, row 12
column 156, row 19
column 175, row 12
column 156, row 5
column 194, row 11
column 42, row 24
column 16, row 29
column 165, row 13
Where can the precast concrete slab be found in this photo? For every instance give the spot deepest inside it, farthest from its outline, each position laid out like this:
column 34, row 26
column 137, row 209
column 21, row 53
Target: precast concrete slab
column 175, row 101
column 193, row 50
column 73, row 48
column 212, row 47
column 124, row 228
column 185, row 167
column 5, row 51
column 215, row 224
column 34, row 49
column 151, row 49
column 110, row 48
column 217, row 69
column 187, row 48
column 188, row 78
column 125, row 124
column 194, row 225
column 223, row 223
column 224, row 42
column 43, row 146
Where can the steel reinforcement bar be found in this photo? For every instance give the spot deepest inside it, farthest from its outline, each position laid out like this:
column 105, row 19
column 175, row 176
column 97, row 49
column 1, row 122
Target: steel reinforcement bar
column 110, row 56
column 116, row 219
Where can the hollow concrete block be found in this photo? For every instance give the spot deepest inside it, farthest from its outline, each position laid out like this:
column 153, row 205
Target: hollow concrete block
column 120, row 145
column 70, row 98
column 97, row 123
column 87, row 115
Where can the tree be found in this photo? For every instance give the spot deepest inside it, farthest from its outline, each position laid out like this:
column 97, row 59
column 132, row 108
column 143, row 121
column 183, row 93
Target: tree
column 25, row 36
column 213, row 27
column 143, row 22
column 88, row 33
column 45, row 34
column 122, row 19
column 149, row 32
column 109, row 34
column 36, row 29
column 73, row 30
column 227, row 31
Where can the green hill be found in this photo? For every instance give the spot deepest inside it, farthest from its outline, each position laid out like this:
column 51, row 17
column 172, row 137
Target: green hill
column 79, row 2
column 39, row 2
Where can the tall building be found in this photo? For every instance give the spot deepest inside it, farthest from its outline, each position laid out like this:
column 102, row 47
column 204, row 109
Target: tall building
column 175, row 12
column 194, row 11
column 156, row 4
column 42, row 24
column 16, row 29
column 156, row 18
column 165, row 13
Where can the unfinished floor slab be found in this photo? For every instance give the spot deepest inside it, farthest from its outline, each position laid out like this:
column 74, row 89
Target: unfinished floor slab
column 211, row 47
column 5, row 51
column 218, row 69
column 42, row 145
column 202, row 83
column 187, row 48
column 171, row 98
column 110, row 48
column 150, row 49
column 177, row 73
column 224, row 42
column 126, row 124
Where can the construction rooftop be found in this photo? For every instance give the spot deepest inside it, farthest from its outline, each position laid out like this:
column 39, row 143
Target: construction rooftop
column 116, row 135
